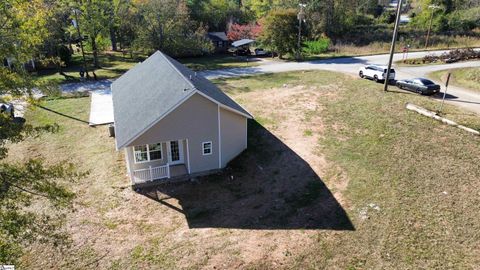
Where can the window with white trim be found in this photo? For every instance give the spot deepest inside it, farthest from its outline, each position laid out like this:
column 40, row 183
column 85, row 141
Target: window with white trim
column 207, row 148
column 148, row 152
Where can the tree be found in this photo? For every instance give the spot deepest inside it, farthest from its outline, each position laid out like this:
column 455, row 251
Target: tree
column 22, row 31
column 280, row 30
column 218, row 14
column 95, row 20
column 166, row 25
column 262, row 7
column 241, row 31
column 127, row 19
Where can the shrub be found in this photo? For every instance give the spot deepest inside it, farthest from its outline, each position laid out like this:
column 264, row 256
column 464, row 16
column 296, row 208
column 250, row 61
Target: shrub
column 387, row 17
column 316, row 46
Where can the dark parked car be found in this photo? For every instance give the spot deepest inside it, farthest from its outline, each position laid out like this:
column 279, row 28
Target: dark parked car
column 419, row 85
column 242, row 52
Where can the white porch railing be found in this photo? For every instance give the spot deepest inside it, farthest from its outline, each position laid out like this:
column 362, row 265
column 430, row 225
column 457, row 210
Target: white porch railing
column 151, row 173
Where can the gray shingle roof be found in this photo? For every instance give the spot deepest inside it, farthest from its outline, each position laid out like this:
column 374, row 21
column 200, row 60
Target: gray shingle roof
column 148, row 91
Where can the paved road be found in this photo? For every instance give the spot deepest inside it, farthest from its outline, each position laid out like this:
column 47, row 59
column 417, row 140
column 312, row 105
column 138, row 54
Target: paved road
column 458, row 96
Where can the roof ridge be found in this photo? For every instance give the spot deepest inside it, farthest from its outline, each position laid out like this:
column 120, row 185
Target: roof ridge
column 176, row 69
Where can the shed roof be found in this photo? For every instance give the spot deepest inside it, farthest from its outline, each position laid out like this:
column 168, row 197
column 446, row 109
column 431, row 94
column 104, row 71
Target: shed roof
column 217, row 36
column 242, row 42
column 152, row 89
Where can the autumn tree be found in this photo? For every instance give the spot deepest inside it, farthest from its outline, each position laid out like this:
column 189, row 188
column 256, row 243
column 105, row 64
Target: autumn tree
column 240, row 31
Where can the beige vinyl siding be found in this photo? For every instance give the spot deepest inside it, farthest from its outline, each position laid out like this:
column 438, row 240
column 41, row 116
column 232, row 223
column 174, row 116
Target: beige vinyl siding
column 196, row 119
column 233, row 130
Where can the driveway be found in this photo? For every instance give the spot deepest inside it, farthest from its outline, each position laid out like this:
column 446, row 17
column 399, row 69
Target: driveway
column 457, row 96
column 101, row 108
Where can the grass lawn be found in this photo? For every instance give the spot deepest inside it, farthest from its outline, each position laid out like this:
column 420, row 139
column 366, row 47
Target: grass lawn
column 113, row 64
column 464, row 77
column 338, row 175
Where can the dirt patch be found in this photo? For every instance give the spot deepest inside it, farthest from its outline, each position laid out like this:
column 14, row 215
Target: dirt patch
column 294, row 110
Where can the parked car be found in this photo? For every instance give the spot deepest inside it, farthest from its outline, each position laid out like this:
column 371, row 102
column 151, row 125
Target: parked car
column 242, row 52
column 419, row 85
column 376, row 73
column 7, row 109
column 261, row 52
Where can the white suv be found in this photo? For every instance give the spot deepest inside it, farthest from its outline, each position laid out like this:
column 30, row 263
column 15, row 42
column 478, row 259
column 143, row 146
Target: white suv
column 377, row 73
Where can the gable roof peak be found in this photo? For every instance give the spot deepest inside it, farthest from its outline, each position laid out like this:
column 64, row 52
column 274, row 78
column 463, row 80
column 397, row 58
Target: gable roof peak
column 150, row 90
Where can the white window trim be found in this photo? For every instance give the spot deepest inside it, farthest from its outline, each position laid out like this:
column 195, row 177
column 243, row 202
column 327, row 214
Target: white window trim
column 203, row 148
column 148, row 154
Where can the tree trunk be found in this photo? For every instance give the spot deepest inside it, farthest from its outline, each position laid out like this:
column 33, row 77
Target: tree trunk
column 113, row 39
column 329, row 14
column 70, row 47
column 95, row 53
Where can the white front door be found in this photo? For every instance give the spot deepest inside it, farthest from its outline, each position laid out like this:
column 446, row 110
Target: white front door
column 175, row 152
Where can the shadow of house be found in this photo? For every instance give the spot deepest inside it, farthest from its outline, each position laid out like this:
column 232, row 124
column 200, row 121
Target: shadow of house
column 340, row 61
column 267, row 187
column 62, row 114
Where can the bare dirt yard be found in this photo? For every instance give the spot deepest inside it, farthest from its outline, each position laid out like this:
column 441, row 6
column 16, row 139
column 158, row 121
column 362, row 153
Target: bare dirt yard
column 337, row 175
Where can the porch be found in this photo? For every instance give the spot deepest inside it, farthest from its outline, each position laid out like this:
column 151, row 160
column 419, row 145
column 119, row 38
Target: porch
column 157, row 162
column 164, row 172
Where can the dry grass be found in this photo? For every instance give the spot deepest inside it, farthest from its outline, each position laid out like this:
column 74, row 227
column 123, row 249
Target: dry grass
column 369, row 186
column 468, row 78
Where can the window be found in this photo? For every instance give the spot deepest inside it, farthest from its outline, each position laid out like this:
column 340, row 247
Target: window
column 155, row 151
column 149, row 152
column 207, row 148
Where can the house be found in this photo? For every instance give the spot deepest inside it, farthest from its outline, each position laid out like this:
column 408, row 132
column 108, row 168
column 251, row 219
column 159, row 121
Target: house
column 173, row 123
column 220, row 41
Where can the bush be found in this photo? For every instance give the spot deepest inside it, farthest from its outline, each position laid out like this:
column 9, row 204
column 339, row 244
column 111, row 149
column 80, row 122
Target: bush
column 387, row 17
column 316, row 46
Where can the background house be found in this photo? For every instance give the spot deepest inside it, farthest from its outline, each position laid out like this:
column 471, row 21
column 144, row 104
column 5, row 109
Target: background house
column 220, row 41
column 173, row 123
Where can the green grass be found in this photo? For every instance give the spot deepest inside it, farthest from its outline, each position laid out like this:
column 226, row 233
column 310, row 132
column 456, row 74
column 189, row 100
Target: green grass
column 422, row 175
column 113, row 65
column 308, row 132
column 463, row 77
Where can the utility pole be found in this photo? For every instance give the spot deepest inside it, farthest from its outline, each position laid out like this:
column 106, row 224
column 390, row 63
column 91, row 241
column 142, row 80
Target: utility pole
column 432, row 7
column 301, row 17
column 80, row 40
column 392, row 47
